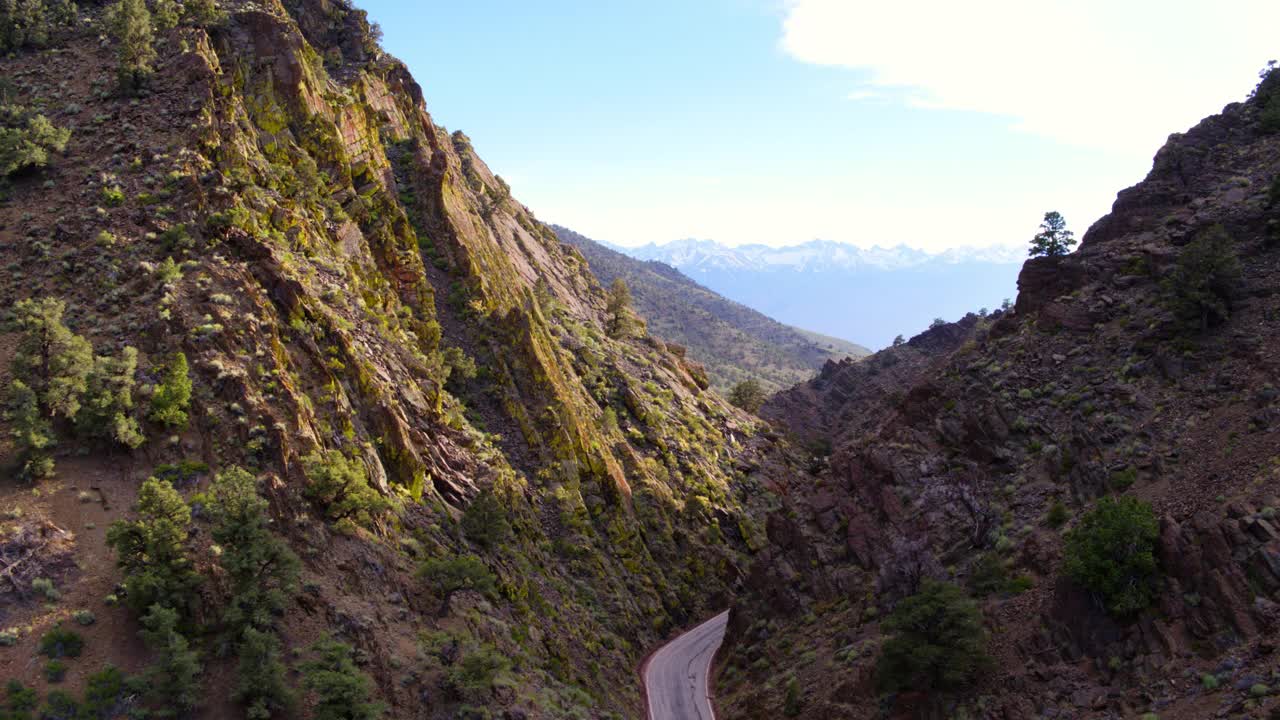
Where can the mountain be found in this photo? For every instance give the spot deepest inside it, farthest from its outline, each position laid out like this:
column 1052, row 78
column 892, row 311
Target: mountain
column 868, row 295
column 285, row 361
column 1069, row 503
column 733, row 341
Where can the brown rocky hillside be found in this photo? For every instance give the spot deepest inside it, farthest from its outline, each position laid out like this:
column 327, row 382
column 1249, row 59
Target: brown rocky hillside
column 967, row 455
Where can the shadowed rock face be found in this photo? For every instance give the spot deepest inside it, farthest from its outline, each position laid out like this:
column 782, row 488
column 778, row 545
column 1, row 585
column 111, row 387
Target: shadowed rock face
column 931, row 456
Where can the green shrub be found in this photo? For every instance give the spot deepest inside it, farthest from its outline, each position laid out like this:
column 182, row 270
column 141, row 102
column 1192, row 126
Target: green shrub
column 172, row 396
column 27, row 139
column 60, row 642
column 937, row 642
column 59, row 705
column 1111, row 552
column 20, row 700
column 84, row 617
column 104, row 694
column 473, row 676
column 1209, row 682
column 339, row 484
column 8, row 638
column 1058, row 515
column 1203, row 284
column 341, row 690
column 55, row 670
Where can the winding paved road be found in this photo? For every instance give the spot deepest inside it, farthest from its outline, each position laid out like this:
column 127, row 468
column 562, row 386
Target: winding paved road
column 677, row 676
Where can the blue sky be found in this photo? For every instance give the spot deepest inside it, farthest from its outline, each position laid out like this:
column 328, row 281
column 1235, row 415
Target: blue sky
column 936, row 124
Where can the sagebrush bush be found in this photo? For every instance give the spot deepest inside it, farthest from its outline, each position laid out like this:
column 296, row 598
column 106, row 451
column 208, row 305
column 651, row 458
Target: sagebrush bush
column 1111, row 552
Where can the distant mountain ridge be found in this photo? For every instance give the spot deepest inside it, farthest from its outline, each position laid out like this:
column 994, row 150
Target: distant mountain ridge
column 815, row 256
column 732, row 340
column 864, row 295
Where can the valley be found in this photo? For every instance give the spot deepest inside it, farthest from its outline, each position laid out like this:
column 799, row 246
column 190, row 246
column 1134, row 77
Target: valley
column 308, row 416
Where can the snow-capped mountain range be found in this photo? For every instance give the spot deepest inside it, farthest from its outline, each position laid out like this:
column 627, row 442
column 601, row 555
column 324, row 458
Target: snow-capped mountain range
column 864, row 295
column 812, row 256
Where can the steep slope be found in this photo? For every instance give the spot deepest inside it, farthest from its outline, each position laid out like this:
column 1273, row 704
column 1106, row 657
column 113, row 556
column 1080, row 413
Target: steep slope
column 867, row 295
column 1140, row 366
column 349, row 282
column 733, row 341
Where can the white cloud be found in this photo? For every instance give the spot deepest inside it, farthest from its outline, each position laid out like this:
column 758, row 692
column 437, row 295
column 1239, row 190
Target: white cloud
column 862, row 95
column 1115, row 74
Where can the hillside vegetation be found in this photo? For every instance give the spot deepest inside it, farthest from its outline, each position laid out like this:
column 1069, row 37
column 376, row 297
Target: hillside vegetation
column 734, row 342
column 308, row 417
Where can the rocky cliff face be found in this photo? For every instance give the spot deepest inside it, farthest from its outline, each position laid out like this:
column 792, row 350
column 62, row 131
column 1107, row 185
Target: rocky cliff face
column 343, row 261
column 945, row 463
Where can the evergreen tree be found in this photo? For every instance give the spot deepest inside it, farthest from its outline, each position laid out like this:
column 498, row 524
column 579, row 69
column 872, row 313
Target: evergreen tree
column 131, row 26
column 165, row 13
column 173, row 683
column 152, row 550
column 23, row 23
column 1111, row 552
column 53, row 361
column 1054, row 239
column 260, row 676
column 341, row 486
column 106, row 410
column 449, row 575
column 748, row 395
column 937, row 642
column 27, row 139
column 342, row 691
column 1203, row 284
column 618, row 307
column 203, row 13
column 172, row 396
column 261, row 568
column 899, row 340
column 32, row 433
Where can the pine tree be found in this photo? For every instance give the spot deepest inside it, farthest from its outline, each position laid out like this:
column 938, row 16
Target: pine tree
column 53, row 361
column 748, row 395
column 342, row 691
column 165, row 13
column 173, row 683
column 152, row 550
column 618, row 308
column 27, row 139
column 172, row 396
column 260, row 676
column 106, row 410
column 131, row 26
column 1054, row 239
column 262, row 569
column 33, row 436
column 340, row 485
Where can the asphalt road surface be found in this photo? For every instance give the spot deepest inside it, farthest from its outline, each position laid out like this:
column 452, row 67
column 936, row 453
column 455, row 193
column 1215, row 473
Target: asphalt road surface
column 677, row 676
